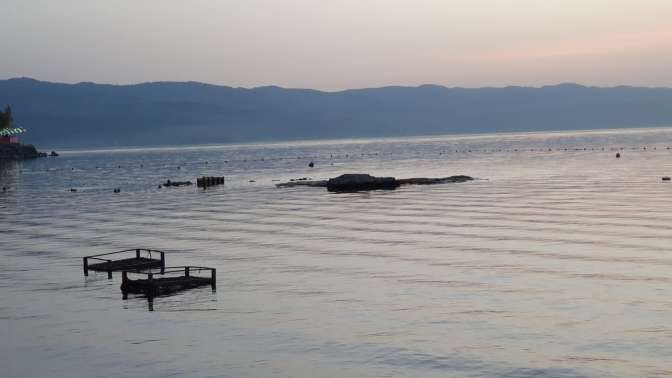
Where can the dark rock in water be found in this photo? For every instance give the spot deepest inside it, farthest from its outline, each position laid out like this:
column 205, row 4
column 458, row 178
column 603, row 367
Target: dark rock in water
column 291, row 184
column 16, row 151
column 177, row 183
column 666, row 178
column 117, row 190
column 357, row 182
column 73, row 190
column 311, row 164
column 53, row 153
column 431, row 181
column 618, row 155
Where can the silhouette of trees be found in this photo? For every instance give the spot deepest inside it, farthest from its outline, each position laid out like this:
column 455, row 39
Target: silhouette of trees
column 6, row 118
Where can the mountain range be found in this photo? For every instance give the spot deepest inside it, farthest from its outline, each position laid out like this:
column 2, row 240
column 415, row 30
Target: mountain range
column 176, row 113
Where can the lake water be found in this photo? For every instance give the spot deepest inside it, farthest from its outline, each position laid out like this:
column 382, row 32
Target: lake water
column 555, row 263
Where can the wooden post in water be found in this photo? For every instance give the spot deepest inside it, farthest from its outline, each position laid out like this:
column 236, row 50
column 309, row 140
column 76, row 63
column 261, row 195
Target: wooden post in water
column 137, row 254
column 86, row 266
column 163, row 261
column 151, row 290
column 186, row 271
column 109, row 270
column 213, row 279
column 124, row 278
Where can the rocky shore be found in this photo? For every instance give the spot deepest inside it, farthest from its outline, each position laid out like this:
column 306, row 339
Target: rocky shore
column 16, row 151
column 358, row 182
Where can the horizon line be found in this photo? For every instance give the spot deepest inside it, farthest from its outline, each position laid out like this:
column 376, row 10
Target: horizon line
column 271, row 86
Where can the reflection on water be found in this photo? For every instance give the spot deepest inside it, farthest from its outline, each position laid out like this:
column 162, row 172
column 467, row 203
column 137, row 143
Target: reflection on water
column 556, row 263
column 8, row 174
column 151, row 298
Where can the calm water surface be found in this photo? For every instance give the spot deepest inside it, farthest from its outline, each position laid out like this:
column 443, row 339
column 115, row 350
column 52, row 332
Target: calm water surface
column 555, row 264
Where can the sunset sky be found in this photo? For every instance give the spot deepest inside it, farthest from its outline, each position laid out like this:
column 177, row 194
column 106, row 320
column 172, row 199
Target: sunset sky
column 340, row 44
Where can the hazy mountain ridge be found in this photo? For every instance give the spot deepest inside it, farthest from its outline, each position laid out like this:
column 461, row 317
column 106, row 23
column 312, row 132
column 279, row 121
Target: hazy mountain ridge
column 88, row 114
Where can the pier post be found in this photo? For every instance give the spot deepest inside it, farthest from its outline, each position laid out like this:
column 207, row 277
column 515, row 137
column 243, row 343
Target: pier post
column 151, row 290
column 213, row 279
column 124, row 278
column 86, row 266
column 137, row 254
column 186, row 271
column 163, row 262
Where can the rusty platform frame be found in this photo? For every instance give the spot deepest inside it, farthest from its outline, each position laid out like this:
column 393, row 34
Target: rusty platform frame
column 134, row 263
column 170, row 280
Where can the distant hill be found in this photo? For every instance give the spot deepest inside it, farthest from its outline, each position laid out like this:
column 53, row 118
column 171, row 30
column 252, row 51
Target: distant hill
column 87, row 114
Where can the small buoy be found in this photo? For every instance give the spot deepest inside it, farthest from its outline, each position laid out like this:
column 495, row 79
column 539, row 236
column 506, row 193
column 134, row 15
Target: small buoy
column 666, row 178
column 311, row 164
column 618, row 155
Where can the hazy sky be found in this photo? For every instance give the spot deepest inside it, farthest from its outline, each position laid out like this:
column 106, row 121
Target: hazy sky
column 336, row 44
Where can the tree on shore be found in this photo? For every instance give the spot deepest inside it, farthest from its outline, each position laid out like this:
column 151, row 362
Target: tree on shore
column 6, row 118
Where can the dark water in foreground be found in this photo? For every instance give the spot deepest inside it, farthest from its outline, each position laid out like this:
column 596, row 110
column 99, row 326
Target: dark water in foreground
column 559, row 264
